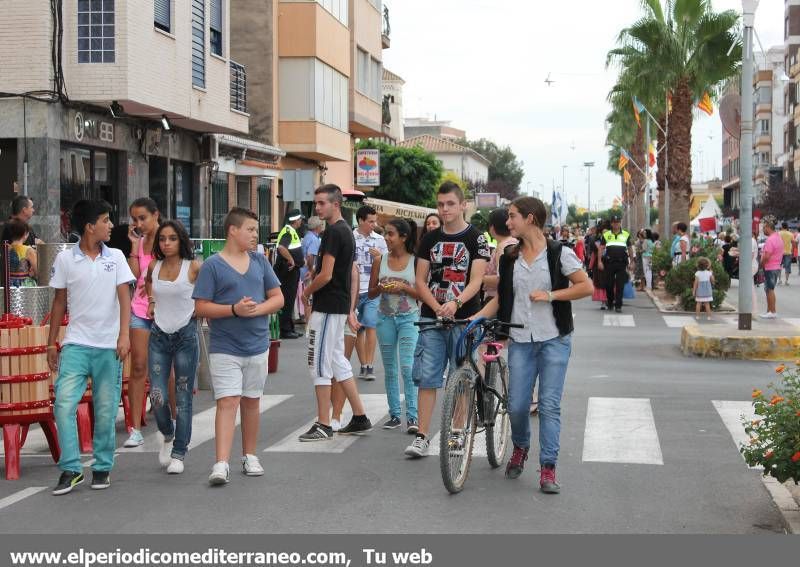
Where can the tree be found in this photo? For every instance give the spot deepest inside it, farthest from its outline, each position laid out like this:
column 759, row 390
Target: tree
column 503, row 165
column 686, row 50
column 408, row 175
column 782, row 201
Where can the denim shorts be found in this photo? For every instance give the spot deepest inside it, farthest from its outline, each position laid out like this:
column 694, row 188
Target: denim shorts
column 368, row 311
column 787, row 263
column 772, row 277
column 435, row 349
column 140, row 323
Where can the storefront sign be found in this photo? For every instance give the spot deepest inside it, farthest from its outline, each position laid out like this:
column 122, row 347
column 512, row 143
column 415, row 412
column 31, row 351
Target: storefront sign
column 368, row 168
column 402, row 210
column 487, row 200
column 92, row 129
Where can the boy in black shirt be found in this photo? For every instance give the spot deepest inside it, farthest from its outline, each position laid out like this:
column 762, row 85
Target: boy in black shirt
column 450, row 267
column 332, row 310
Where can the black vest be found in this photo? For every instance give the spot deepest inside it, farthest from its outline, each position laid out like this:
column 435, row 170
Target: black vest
column 562, row 310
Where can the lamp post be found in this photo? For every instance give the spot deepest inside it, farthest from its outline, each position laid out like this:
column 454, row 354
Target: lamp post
column 746, row 172
column 589, row 165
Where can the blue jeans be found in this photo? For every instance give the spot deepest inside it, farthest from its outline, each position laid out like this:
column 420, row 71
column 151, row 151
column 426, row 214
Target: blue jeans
column 181, row 350
column 76, row 364
column 398, row 336
column 546, row 361
column 436, row 349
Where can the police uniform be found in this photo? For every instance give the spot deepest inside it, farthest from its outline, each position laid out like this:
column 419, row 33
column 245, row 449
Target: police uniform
column 289, row 277
column 615, row 263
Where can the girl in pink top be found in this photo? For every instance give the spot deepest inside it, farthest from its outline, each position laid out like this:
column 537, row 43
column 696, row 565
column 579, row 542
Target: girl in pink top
column 145, row 219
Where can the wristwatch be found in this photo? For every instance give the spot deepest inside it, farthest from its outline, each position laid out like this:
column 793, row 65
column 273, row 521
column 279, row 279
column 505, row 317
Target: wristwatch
column 458, row 302
column 550, row 296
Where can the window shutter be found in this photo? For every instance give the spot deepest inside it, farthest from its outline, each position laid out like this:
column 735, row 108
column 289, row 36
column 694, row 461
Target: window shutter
column 216, row 15
column 161, row 15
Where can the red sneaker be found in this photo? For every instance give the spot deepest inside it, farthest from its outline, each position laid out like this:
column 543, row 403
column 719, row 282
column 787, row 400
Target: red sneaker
column 547, row 480
column 517, row 462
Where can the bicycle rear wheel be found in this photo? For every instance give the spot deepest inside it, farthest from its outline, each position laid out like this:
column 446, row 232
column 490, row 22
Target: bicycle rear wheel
column 498, row 423
column 458, row 430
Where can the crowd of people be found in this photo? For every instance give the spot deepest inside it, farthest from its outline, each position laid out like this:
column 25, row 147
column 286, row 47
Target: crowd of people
column 361, row 289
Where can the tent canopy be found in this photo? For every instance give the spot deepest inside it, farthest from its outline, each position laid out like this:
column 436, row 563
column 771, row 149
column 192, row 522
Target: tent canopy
column 710, row 210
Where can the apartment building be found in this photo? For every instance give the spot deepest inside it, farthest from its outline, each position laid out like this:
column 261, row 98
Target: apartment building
column 120, row 106
column 393, row 104
column 420, row 126
column 314, row 86
column 791, row 43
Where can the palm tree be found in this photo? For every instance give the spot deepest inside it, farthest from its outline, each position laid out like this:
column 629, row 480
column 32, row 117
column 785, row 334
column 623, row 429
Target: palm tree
column 691, row 49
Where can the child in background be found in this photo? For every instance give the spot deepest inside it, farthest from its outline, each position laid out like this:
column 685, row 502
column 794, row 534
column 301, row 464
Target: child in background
column 702, row 289
column 22, row 259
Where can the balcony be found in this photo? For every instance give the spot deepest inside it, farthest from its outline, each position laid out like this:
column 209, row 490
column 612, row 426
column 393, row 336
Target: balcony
column 763, row 139
column 386, row 29
column 238, row 87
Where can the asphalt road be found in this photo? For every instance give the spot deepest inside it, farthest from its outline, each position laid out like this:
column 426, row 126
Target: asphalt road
column 611, row 477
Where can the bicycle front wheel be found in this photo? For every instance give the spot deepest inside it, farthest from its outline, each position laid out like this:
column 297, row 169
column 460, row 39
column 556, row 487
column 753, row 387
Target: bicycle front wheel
column 458, row 430
column 498, row 423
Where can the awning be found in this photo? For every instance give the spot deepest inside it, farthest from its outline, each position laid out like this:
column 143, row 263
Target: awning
column 402, row 210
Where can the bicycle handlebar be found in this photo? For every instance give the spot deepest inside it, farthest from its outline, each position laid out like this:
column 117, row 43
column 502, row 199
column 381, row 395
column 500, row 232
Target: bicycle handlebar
column 487, row 323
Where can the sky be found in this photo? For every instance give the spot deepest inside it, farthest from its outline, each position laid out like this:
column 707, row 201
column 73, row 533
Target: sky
column 482, row 65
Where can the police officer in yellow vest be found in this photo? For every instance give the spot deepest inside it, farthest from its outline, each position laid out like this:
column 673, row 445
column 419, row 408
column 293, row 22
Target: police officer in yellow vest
column 287, row 268
column 615, row 251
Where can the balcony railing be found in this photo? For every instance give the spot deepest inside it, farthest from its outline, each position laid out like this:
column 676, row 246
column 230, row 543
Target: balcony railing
column 238, row 87
column 386, row 28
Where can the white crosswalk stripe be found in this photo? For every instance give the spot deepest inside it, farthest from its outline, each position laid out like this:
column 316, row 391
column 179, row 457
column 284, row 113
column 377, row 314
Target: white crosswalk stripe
column 618, row 321
column 202, row 426
column 678, row 321
column 621, row 430
column 793, row 321
column 377, row 410
column 478, row 445
column 732, row 414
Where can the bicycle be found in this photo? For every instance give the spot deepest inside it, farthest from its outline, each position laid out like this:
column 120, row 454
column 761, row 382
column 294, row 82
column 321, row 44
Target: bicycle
column 474, row 399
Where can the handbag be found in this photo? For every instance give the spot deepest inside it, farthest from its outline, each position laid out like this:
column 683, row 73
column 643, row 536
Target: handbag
column 627, row 291
column 760, row 277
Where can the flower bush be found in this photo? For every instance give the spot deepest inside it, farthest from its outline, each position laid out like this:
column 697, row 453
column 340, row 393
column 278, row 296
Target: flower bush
column 680, row 280
column 775, row 432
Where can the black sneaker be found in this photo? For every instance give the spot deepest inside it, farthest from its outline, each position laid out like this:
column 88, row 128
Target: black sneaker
column 393, row 423
column 357, row 426
column 618, row 310
column 413, row 426
column 67, row 481
column 101, row 480
column 318, row 432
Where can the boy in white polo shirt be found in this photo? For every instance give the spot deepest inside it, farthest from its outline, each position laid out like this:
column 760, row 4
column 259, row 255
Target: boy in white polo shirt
column 94, row 280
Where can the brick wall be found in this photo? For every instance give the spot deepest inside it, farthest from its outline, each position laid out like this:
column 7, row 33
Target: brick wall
column 25, row 31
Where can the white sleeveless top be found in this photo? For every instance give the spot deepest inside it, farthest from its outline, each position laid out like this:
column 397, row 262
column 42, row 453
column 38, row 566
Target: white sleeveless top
column 174, row 303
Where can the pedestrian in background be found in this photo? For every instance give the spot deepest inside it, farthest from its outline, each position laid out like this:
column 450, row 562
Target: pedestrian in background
column 145, row 219
column 21, row 210
column 310, row 248
column 392, row 282
column 616, row 256
column 236, row 290
column 595, row 266
column 786, row 262
column 173, row 339
column 432, row 222
column 702, row 289
column 681, row 246
column 499, row 231
column 771, row 258
column 96, row 342
column 539, row 278
column 288, row 262
column 23, row 262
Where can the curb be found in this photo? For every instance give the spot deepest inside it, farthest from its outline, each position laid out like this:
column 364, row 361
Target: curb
column 697, row 341
column 785, row 502
column 664, row 307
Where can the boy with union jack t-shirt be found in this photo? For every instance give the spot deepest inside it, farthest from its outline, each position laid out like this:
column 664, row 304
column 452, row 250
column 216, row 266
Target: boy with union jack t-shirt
column 450, row 267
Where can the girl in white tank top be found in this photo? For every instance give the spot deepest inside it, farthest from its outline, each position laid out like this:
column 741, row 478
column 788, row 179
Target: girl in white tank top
column 173, row 338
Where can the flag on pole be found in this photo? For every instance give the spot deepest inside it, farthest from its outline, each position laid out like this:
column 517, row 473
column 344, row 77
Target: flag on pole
column 638, row 108
column 651, row 155
column 626, row 177
column 706, row 105
column 624, row 158
column 558, row 212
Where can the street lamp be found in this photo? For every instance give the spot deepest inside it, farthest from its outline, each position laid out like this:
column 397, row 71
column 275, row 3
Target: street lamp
column 746, row 172
column 589, row 165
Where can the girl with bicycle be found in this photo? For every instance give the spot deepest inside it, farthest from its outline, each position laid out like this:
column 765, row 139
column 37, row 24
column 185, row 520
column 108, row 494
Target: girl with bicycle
column 392, row 278
column 538, row 280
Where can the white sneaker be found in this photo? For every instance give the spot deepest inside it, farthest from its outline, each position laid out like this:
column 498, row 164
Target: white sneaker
column 220, row 473
column 768, row 315
column 164, row 450
column 176, row 467
column 335, row 425
column 135, row 439
column 252, row 466
column 418, row 448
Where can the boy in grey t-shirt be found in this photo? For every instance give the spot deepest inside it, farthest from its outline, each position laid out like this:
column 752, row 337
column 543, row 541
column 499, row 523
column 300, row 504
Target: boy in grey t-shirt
column 236, row 290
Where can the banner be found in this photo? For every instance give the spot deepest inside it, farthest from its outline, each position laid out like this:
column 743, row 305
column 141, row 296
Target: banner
column 368, row 167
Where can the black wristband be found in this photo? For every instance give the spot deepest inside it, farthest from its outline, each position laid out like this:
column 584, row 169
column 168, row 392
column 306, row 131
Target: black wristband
column 233, row 310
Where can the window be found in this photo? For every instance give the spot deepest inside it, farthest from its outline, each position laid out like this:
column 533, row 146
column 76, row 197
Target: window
column 199, row 43
column 370, row 75
column 219, row 204
column 95, row 31
column 377, row 4
column 337, row 8
column 216, row 27
column 312, row 90
column 363, row 71
column 764, row 95
column 764, row 124
column 376, row 76
column 162, row 14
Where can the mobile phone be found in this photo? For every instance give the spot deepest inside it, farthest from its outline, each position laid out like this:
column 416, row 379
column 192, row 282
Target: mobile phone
column 136, row 231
